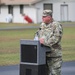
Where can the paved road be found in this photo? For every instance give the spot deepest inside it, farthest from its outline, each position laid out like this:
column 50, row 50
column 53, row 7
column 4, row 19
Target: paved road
column 25, row 27
column 21, row 27
column 68, row 68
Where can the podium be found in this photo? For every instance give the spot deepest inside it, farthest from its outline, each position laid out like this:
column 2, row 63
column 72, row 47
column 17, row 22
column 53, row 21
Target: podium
column 32, row 58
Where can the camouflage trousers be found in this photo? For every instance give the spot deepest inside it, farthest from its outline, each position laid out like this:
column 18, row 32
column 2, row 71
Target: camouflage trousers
column 53, row 65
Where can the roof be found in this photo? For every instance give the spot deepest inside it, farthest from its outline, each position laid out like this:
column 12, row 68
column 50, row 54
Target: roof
column 0, row 1
column 19, row 2
column 28, row 2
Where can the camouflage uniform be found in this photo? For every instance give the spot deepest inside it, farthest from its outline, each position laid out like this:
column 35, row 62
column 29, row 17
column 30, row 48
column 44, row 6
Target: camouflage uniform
column 52, row 34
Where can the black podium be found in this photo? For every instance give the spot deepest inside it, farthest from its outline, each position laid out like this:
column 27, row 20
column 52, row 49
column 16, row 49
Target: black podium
column 32, row 58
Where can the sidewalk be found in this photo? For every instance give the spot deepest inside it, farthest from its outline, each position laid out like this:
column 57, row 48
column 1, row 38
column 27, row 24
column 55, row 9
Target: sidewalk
column 68, row 68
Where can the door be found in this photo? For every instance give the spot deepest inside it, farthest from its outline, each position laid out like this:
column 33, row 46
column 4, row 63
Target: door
column 64, row 13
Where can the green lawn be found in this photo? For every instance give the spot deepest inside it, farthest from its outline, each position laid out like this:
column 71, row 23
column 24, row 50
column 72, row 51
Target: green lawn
column 68, row 44
column 10, row 43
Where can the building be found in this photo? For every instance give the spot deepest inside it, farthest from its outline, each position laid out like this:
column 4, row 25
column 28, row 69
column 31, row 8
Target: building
column 63, row 10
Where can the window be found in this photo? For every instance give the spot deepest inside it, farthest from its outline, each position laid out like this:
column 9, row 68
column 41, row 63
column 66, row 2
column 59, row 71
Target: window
column 21, row 9
column 10, row 9
column 48, row 6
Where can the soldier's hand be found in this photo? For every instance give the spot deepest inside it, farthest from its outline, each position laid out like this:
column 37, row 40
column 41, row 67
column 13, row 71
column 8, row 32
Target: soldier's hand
column 41, row 40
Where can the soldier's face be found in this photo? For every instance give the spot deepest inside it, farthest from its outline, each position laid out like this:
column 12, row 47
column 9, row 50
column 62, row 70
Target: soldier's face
column 47, row 19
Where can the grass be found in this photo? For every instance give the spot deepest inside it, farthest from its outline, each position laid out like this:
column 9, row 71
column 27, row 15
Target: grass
column 10, row 43
column 68, row 44
column 9, row 59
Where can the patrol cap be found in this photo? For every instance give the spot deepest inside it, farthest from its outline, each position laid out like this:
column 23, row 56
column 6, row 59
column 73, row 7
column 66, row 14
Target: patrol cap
column 47, row 13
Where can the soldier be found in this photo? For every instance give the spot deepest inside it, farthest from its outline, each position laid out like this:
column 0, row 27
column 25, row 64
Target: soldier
column 50, row 34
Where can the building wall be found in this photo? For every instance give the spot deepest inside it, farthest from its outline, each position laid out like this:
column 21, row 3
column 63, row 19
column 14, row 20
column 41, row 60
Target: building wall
column 31, row 12
column 71, row 11
column 35, row 12
column 3, row 13
column 57, row 9
column 39, row 8
column 17, row 17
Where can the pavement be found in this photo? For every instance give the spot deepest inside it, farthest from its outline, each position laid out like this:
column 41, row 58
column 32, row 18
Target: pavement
column 25, row 27
column 68, row 68
column 21, row 27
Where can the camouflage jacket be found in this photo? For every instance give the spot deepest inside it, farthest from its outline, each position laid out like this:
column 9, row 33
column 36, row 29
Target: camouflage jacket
column 52, row 34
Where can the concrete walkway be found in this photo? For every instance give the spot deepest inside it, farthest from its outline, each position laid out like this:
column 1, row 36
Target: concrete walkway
column 25, row 27
column 68, row 68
